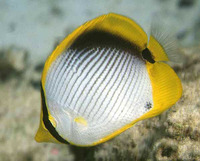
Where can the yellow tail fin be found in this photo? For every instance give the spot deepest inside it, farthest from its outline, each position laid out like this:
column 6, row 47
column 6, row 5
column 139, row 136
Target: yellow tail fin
column 167, row 88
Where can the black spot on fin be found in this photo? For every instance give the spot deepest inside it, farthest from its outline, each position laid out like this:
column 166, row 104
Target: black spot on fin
column 146, row 54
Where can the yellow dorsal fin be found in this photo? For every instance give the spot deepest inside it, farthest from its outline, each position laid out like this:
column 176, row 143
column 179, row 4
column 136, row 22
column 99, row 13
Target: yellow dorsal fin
column 111, row 23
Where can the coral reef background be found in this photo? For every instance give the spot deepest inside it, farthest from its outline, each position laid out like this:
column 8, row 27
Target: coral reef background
column 29, row 32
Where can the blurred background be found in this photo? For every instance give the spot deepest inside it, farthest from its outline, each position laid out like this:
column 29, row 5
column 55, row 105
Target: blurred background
column 30, row 30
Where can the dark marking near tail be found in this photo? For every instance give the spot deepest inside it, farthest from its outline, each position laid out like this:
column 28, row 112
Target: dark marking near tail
column 99, row 38
column 148, row 106
column 47, row 122
column 146, row 54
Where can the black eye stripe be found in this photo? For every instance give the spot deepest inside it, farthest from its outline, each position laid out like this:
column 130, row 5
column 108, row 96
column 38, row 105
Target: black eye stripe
column 47, row 122
column 146, row 54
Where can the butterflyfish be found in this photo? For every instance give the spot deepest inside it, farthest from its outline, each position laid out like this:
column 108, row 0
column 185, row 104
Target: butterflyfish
column 103, row 78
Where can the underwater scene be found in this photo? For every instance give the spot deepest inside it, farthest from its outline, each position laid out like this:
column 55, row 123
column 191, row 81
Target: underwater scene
column 95, row 80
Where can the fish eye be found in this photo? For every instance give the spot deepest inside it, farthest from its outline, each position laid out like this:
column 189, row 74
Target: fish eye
column 146, row 54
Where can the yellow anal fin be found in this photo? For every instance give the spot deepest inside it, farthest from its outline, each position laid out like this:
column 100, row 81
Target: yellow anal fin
column 157, row 50
column 167, row 88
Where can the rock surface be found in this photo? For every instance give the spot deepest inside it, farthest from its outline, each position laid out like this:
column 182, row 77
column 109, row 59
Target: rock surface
column 13, row 61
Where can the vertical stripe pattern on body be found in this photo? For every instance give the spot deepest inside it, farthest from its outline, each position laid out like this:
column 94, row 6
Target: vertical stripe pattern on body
column 107, row 87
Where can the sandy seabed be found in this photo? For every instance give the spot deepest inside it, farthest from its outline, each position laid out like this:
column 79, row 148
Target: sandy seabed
column 174, row 135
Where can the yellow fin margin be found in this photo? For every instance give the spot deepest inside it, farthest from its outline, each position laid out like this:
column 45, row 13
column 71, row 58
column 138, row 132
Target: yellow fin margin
column 112, row 23
column 166, row 85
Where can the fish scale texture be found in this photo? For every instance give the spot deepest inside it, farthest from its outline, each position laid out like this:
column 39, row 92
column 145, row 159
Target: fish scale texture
column 106, row 87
